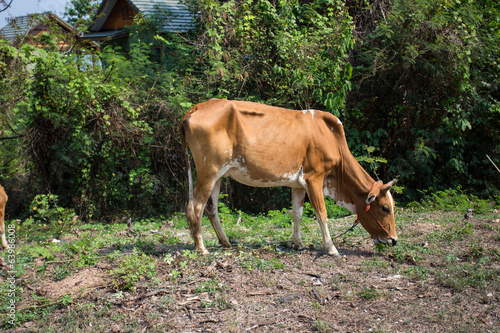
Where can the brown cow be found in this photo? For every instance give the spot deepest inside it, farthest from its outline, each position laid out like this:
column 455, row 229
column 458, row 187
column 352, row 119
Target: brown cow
column 3, row 201
column 265, row 146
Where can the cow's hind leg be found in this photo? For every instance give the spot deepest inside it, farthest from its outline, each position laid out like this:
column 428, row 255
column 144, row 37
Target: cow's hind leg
column 298, row 196
column 315, row 193
column 195, row 208
column 212, row 211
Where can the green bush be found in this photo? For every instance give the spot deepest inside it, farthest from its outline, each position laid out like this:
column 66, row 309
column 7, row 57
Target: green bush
column 99, row 129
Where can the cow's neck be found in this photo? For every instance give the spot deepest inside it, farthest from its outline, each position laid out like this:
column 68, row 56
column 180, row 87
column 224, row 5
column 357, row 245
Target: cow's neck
column 353, row 185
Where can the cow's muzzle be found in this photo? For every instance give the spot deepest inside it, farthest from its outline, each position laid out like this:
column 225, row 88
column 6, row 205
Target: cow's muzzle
column 391, row 241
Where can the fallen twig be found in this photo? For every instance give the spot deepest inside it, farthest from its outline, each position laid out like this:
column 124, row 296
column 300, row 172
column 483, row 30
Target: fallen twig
column 258, row 293
column 315, row 294
column 137, row 298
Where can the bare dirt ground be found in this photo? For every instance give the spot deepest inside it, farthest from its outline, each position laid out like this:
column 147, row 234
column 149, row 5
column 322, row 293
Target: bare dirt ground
column 278, row 290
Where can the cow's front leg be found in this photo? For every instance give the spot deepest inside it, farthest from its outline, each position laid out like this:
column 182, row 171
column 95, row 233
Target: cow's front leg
column 315, row 193
column 298, row 196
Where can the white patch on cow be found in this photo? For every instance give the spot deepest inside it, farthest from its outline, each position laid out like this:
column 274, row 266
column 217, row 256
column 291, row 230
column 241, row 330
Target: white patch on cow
column 328, row 189
column 294, row 178
column 204, row 158
column 392, row 201
column 239, row 172
column 297, row 214
column 310, row 110
column 349, row 206
column 339, row 122
column 330, row 192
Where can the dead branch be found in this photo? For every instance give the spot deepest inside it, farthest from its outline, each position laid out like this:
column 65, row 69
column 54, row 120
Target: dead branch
column 493, row 163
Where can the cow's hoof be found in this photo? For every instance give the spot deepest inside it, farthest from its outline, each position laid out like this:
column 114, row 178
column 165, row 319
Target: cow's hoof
column 333, row 253
column 299, row 247
column 203, row 251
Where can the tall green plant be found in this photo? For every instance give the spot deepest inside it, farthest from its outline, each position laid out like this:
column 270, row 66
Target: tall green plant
column 287, row 53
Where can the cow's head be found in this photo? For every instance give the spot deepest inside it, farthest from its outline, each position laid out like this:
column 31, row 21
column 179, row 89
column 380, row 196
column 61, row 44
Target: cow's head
column 378, row 219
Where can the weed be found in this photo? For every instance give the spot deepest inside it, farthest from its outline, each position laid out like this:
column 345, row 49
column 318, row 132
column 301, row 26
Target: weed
column 211, row 286
column 374, row 264
column 132, row 268
column 416, row 273
column 60, row 272
column 85, row 253
column 475, row 250
column 411, row 253
column 369, row 293
column 146, row 245
column 46, row 213
column 41, row 269
column 190, row 254
column 321, row 325
column 315, row 305
column 168, row 258
column 175, row 274
column 222, row 303
column 66, row 299
column 255, row 262
column 460, row 276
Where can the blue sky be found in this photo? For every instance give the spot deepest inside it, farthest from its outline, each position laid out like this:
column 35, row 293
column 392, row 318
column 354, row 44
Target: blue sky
column 24, row 7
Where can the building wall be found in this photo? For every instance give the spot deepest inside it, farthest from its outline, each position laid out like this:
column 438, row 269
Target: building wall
column 122, row 15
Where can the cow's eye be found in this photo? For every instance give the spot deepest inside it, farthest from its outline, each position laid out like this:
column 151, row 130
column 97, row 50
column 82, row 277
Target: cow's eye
column 385, row 209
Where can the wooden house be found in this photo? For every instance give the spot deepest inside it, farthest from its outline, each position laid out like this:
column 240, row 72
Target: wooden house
column 24, row 29
column 115, row 16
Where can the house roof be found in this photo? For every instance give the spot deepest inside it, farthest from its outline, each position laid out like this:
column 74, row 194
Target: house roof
column 180, row 19
column 22, row 25
column 105, row 35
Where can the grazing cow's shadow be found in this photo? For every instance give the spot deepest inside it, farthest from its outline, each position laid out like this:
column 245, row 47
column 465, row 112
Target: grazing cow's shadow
column 279, row 247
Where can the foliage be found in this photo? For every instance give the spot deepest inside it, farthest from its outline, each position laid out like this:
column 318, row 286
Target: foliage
column 287, row 53
column 369, row 293
column 98, row 129
column 428, row 76
column 80, row 13
column 454, row 200
column 133, row 268
column 46, row 213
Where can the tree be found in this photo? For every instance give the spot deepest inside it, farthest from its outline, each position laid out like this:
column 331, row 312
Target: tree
column 80, row 13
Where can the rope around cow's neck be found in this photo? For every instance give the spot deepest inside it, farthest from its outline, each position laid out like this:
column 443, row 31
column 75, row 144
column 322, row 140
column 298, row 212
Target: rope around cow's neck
column 356, row 222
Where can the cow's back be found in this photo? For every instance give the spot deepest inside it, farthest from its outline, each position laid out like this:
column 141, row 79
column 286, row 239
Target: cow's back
column 264, row 140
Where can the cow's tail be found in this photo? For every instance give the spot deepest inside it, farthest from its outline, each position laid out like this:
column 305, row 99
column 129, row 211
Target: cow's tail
column 182, row 132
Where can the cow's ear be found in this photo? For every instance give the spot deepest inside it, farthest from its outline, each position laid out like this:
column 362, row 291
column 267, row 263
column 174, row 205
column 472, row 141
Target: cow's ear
column 371, row 198
column 374, row 192
column 388, row 186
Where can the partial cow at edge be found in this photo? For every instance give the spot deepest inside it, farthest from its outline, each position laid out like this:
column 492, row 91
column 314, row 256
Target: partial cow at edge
column 3, row 201
column 265, row 146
